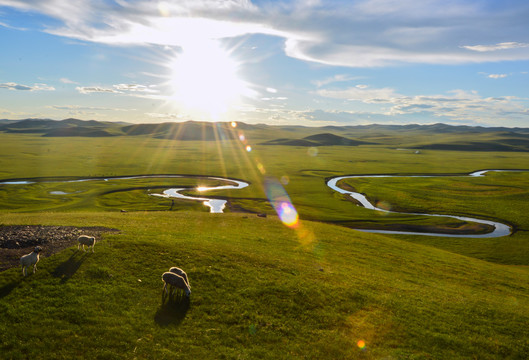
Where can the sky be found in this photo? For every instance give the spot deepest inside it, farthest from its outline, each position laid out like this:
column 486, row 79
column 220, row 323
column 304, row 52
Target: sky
column 311, row 63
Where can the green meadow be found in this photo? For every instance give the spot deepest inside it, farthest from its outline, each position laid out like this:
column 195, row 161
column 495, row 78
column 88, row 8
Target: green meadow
column 261, row 289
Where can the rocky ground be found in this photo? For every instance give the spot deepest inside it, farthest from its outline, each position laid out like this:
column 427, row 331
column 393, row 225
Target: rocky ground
column 17, row 240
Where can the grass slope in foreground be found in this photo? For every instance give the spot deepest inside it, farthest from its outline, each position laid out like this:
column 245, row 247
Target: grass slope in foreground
column 260, row 290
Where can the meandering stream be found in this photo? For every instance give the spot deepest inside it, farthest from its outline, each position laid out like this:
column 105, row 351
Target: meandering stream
column 215, row 205
column 218, row 205
column 499, row 228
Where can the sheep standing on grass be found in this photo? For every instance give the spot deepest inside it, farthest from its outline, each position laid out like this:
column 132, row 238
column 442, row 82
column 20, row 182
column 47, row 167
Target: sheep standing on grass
column 30, row 259
column 175, row 282
column 180, row 272
column 89, row 241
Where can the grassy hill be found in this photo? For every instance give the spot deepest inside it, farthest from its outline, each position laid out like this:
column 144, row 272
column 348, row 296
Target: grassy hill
column 318, row 291
column 413, row 136
column 322, row 139
column 66, row 127
column 187, row 131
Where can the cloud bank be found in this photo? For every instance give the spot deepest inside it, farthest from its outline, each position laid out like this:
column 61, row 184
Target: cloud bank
column 455, row 105
column 361, row 33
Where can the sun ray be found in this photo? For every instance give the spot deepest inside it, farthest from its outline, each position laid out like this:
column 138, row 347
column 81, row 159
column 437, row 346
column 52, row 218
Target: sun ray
column 218, row 142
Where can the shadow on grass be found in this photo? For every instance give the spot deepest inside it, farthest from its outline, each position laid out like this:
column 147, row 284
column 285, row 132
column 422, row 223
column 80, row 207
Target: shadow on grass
column 7, row 288
column 173, row 311
column 68, row 268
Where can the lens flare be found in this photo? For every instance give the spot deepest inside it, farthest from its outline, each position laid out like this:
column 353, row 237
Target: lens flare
column 248, row 148
column 233, row 124
column 361, row 344
column 313, row 151
column 288, row 214
column 384, row 205
column 261, row 168
column 281, row 203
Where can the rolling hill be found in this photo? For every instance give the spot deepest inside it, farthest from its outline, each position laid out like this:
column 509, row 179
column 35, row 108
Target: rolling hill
column 185, row 131
column 322, row 139
column 67, row 127
column 411, row 136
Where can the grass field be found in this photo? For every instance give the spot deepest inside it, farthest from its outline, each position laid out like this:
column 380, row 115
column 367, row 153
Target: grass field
column 280, row 293
column 260, row 288
column 497, row 196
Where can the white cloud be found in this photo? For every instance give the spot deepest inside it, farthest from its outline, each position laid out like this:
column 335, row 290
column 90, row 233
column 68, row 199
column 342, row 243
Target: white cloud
column 455, row 105
column 274, row 98
column 128, row 89
column 335, row 79
column 497, row 76
column 67, row 81
column 42, row 87
column 96, row 89
column 15, row 86
column 362, row 33
column 6, row 112
column 496, row 47
column 3, row 24
column 35, row 87
column 361, row 93
column 134, row 88
column 83, row 108
column 167, row 116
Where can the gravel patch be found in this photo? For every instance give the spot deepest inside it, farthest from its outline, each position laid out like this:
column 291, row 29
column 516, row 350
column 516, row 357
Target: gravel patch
column 18, row 240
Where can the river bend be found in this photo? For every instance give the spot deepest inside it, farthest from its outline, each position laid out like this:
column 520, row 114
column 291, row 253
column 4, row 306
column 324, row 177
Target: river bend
column 499, row 228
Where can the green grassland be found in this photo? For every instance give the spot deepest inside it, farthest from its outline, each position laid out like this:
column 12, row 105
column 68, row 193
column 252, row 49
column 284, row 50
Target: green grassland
column 261, row 289
column 275, row 293
column 497, row 196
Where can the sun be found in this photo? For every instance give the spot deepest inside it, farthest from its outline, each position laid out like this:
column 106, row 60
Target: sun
column 204, row 79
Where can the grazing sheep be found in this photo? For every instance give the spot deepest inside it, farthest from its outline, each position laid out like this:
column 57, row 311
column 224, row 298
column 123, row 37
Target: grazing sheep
column 180, row 272
column 175, row 282
column 30, row 259
column 89, row 241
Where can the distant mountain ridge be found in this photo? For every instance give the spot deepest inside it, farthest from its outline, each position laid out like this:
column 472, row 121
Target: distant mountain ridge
column 185, row 131
column 66, row 127
column 411, row 136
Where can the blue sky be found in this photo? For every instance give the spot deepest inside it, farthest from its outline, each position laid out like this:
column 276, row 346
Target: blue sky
column 310, row 62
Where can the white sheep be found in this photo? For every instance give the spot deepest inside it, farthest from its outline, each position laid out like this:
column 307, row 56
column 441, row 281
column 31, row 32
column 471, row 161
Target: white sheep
column 89, row 241
column 180, row 272
column 175, row 282
column 30, row 259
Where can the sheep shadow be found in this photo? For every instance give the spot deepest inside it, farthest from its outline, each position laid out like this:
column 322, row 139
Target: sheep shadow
column 7, row 288
column 69, row 267
column 173, row 311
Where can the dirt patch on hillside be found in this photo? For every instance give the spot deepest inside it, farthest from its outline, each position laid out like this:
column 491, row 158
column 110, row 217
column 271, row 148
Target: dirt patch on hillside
column 17, row 240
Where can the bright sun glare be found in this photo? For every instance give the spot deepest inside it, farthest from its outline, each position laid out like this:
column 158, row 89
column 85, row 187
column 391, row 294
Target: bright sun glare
column 204, row 79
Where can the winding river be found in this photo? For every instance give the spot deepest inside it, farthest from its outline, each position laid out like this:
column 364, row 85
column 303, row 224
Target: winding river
column 218, row 205
column 215, row 205
column 499, row 228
